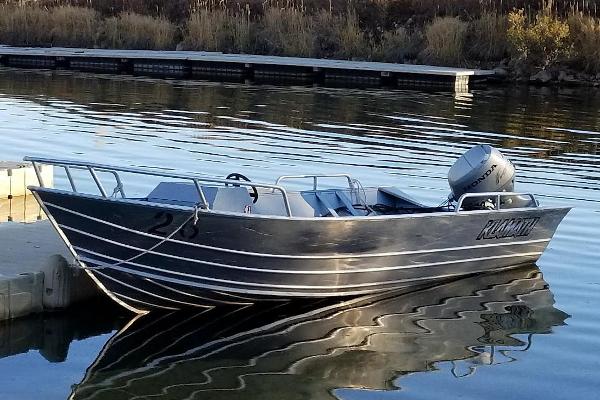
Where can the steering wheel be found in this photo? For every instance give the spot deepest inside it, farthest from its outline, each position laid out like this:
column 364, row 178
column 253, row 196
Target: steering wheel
column 239, row 177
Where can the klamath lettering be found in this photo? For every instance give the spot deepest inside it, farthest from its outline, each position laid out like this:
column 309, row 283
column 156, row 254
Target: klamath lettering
column 506, row 228
column 480, row 179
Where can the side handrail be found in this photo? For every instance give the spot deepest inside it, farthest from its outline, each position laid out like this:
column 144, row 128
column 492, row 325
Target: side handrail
column 315, row 178
column 95, row 167
column 497, row 195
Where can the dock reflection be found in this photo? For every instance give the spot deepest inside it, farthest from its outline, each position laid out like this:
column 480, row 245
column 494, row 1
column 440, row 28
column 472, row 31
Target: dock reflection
column 305, row 351
column 52, row 333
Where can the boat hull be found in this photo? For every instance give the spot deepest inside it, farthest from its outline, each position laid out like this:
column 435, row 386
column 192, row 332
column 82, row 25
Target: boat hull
column 160, row 256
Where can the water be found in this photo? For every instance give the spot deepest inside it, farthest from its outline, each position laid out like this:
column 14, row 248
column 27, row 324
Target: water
column 508, row 336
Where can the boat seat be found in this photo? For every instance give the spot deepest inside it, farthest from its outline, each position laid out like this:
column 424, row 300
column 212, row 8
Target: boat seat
column 334, row 200
column 325, row 203
column 222, row 198
column 400, row 198
column 307, row 203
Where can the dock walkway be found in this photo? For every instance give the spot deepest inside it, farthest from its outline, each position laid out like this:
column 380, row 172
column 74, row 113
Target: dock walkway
column 220, row 66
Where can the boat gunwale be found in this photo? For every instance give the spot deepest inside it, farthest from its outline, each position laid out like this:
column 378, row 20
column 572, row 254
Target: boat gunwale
column 242, row 215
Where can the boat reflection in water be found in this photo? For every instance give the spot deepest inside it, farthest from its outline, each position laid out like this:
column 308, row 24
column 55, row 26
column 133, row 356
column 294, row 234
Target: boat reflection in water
column 292, row 351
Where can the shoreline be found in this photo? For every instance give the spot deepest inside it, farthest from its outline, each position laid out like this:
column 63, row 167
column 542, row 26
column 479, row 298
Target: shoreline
column 544, row 43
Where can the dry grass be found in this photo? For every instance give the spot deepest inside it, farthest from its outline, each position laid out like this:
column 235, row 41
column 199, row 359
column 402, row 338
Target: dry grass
column 134, row 31
column 287, row 32
column 24, row 26
column 325, row 42
column 487, row 37
column 243, row 33
column 381, row 30
column 353, row 43
column 445, row 41
column 206, row 30
column 74, row 26
column 585, row 33
column 339, row 36
column 397, row 46
column 60, row 26
column 219, row 30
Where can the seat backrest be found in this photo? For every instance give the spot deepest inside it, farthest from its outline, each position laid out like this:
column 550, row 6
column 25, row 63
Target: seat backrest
column 271, row 203
column 219, row 198
column 233, row 199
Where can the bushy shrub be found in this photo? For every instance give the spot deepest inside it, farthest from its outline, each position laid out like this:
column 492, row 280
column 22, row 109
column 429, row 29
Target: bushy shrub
column 74, row 26
column 325, row 41
column 353, row 43
column 445, row 41
column 542, row 42
column 585, row 33
column 25, row 26
column 286, row 32
column 219, row 30
column 397, row 45
column 487, row 37
column 134, row 31
column 58, row 26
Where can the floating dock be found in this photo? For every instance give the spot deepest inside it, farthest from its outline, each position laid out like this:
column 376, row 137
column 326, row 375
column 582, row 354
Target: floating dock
column 37, row 271
column 226, row 67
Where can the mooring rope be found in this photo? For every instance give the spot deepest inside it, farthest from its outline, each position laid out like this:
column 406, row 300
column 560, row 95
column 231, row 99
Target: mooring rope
column 193, row 216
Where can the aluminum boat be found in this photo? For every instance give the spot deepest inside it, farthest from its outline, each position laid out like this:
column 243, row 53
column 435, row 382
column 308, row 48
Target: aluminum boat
column 196, row 241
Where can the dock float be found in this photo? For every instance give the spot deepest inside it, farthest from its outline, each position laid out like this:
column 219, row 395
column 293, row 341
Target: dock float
column 37, row 271
column 226, row 67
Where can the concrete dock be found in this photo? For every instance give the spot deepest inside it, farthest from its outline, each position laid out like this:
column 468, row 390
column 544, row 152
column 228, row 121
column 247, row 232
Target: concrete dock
column 37, row 271
column 220, row 66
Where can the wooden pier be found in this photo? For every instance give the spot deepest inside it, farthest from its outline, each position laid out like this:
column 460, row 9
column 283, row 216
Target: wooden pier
column 219, row 66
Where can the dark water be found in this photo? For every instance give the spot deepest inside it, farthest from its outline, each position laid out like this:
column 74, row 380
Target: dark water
column 512, row 335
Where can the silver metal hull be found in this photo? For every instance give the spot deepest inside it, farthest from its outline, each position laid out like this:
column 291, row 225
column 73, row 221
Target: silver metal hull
column 154, row 256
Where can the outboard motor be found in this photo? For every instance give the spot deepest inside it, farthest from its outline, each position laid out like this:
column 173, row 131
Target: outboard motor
column 481, row 169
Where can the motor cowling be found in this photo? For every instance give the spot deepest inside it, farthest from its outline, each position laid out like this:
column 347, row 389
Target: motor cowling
column 481, row 169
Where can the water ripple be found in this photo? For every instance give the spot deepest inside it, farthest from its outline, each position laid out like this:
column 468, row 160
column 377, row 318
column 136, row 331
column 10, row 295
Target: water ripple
column 385, row 137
